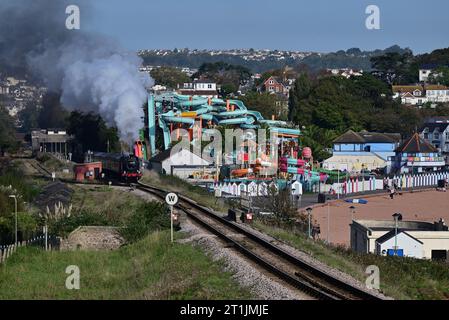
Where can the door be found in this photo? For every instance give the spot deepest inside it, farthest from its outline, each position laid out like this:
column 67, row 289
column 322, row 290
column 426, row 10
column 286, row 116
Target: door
column 439, row 255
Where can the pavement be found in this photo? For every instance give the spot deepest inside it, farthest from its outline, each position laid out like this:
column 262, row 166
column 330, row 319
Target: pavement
column 420, row 205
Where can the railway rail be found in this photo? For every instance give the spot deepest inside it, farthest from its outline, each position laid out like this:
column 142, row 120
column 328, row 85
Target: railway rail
column 271, row 257
column 291, row 269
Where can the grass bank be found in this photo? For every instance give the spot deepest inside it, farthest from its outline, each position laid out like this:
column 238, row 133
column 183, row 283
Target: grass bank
column 175, row 184
column 149, row 269
column 400, row 278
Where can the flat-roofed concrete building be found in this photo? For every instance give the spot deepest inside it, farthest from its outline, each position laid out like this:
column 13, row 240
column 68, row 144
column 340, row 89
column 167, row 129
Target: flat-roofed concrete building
column 50, row 140
column 417, row 239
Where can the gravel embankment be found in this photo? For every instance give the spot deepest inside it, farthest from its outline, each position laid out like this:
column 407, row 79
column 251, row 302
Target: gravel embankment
column 318, row 264
column 244, row 272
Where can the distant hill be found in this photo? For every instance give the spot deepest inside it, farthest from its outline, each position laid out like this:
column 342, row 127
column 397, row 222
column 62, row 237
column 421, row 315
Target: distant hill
column 264, row 60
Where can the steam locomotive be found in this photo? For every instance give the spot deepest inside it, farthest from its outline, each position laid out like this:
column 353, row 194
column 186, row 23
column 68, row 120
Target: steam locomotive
column 123, row 166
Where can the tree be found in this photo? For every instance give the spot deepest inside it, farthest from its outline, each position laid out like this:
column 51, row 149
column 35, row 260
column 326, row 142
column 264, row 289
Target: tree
column 169, row 76
column 264, row 103
column 299, row 93
column 7, row 132
column 29, row 117
column 279, row 202
column 396, row 68
column 440, row 76
column 91, row 133
column 229, row 76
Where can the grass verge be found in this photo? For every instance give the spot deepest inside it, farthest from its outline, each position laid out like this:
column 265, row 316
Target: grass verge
column 400, row 278
column 175, row 184
column 151, row 268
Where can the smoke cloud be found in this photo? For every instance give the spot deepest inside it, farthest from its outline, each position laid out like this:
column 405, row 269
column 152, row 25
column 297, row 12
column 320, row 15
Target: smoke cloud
column 92, row 72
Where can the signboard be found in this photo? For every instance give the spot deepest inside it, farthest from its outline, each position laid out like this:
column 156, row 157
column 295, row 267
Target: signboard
column 171, row 199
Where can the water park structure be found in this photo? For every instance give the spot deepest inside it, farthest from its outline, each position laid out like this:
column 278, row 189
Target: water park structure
column 169, row 112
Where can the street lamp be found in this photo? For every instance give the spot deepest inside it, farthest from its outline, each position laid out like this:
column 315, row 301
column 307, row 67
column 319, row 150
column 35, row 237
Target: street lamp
column 352, row 211
column 309, row 213
column 15, row 207
column 397, row 217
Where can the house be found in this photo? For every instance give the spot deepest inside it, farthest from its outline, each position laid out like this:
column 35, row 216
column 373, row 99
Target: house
column 426, row 70
column 345, row 72
column 179, row 162
column 417, row 239
column 275, row 85
column 436, row 132
column 410, row 94
column 417, row 155
column 437, row 93
column 424, row 74
column 199, row 87
column 357, row 151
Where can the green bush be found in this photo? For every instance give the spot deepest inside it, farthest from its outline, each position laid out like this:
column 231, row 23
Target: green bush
column 66, row 225
column 26, row 226
column 148, row 217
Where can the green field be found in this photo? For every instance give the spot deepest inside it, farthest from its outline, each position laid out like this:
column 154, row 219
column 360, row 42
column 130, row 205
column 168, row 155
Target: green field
column 151, row 268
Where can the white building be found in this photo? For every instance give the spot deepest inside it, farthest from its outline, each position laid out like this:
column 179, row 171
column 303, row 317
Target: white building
column 410, row 94
column 437, row 93
column 204, row 88
column 179, row 162
column 418, row 239
column 436, row 132
column 424, row 74
column 404, row 244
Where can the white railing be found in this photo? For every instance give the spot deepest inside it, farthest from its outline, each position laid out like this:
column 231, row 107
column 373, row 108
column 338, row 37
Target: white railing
column 351, row 186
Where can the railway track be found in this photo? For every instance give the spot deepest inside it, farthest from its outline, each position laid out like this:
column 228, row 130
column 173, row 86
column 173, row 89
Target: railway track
column 282, row 264
column 285, row 266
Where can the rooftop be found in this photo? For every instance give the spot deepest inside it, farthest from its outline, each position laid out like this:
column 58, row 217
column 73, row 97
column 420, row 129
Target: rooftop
column 416, row 144
column 368, row 137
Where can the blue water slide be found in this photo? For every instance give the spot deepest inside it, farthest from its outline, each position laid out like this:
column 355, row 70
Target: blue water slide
column 190, row 121
column 273, row 122
column 286, row 130
column 239, row 104
column 152, row 124
column 166, row 132
column 232, row 121
column 249, row 126
column 232, row 113
column 256, row 114
column 193, row 103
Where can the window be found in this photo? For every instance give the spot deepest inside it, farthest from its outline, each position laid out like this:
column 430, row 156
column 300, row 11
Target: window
column 447, row 135
column 436, row 136
column 270, row 88
column 209, row 86
column 426, row 136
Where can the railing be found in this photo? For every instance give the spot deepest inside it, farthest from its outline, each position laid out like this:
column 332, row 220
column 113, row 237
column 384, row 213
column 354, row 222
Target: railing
column 40, row 240
column 350, row 186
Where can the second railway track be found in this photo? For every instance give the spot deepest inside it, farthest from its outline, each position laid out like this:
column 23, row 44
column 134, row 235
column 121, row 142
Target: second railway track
column 282, row 264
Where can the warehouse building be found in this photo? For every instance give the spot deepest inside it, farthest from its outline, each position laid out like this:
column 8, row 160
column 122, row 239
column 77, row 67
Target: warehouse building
column 417, row 239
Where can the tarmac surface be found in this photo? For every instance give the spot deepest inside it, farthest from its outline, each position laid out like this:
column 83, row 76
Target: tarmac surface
column 420, row 205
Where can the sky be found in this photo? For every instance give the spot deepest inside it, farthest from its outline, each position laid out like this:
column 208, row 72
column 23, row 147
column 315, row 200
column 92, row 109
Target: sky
column 312, row 25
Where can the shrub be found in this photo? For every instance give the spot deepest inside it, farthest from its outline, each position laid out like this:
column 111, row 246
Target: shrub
column 148, row 217
column 65, row 225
